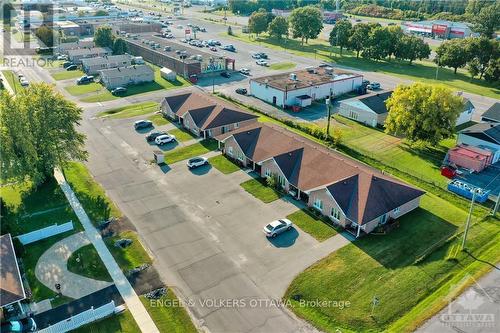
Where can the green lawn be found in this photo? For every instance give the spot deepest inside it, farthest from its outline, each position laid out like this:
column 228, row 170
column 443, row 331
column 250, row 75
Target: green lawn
column 184, row 153
column 27, row 208
column 103, row 96
column 31, row 254
column 65, row 75
column 387, row 267
column 169, row 319
column 223, row 164
column 78, row 90
column 182, row 135
column 260, row 190
column 90, row 193
column 86, row 262
column 312, row 225
column 12, row 80
column 158, row 119
column 132, row 256
column 419, row 70
column 120, row 323
column 132, row 110
column 282, row 65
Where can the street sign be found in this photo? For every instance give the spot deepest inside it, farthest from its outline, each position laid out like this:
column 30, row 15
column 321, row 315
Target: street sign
column 187, row 31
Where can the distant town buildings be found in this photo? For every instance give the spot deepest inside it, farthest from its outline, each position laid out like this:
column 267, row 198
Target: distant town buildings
column 438, row 28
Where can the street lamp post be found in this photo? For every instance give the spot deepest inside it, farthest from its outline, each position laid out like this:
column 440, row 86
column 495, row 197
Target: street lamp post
column 328, row 117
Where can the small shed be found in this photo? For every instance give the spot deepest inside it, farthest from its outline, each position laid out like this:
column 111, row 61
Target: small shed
column 304, row 100
column 168, row 74
column 468, row 157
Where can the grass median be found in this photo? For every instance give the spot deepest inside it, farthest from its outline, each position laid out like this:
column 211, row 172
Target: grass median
column 132, row 110
column 66, row 75
column 158, row 119
column 187, row 152
column 282, row 65
column 82, row 89
column 313, row 225
column 259, row 189
column 182, row 135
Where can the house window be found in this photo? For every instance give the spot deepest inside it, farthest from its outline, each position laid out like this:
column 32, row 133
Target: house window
column 209, row 133
column 236, row 125
column 267, row 172
column 281, row 180
column 396, row 210
column 230, row 151
column 318, row 204
column 241, row 157
column 335, row 213
column 353, row 115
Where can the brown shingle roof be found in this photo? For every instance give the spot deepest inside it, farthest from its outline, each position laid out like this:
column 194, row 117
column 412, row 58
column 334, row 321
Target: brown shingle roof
column 363, row 193
column 11, row 286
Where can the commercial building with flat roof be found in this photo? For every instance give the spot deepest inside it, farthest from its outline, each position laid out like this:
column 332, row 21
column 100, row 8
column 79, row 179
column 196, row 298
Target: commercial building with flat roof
column 300, row 88
column 438, row 28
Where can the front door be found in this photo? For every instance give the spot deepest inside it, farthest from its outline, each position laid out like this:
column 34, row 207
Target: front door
column 274, row 99
column 383, row 219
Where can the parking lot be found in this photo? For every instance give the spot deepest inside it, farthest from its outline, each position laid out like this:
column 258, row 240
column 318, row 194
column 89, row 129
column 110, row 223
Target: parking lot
column 204, row 230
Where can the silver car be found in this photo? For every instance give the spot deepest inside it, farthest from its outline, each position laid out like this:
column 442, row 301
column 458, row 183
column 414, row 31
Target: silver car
column 196, row 162
column 275, row 228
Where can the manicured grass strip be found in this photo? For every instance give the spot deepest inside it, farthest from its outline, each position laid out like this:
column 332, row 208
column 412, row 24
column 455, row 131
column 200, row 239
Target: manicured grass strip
column 132, row 110
column 182, row 135
column 184, row 153
column 312, row 225
column 223, row 164
column 86, row 262
column 159, row 119
column 386, row 267
column 90, row 193
column 282, row 65
column 261, row 191
column 12, row 80
column 65, row 75
column 77, row 90
column 119, row 323
column 168, row 315
column 99, row 97
column 132, row 256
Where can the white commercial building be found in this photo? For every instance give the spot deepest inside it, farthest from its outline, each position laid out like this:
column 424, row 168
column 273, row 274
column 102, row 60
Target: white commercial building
column 301, row 87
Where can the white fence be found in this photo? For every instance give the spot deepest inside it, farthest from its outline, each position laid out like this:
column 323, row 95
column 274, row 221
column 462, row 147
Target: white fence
column 81, row 319
column 46, row 232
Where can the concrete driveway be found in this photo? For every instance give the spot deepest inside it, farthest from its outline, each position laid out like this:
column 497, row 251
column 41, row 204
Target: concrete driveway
column 205, row 233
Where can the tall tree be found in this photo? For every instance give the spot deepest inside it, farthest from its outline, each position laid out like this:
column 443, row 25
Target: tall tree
column 488, row 20
column 492, row 73
column 339, row 36
column 258, row 22
column 481, row 51
column 103, row 36
column 38, row 132
column 278, row 27
column 395, row 34
column 306, row 23
column 379, row 44
column 452, row 53
column 423, row 112
column 359, row 37
column 411, row 48
column 46, row 35
column 119, row 46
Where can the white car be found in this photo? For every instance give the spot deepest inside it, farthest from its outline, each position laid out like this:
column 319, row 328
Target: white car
column 163, row 139
column 245, row 71
column 275, row 228
column 196, row 162
column 261, row 62
column 256, row 55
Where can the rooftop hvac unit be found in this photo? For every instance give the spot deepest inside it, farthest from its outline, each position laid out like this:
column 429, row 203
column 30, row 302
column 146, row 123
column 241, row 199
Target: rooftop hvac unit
column 310, row 69
column 329, row 70
column 293, row 76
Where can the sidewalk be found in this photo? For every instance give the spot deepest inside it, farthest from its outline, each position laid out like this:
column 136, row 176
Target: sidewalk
column 134, row 305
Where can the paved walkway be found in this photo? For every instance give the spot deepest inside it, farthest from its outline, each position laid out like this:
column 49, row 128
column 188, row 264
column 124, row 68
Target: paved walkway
column 52, row 268
column 133, row 302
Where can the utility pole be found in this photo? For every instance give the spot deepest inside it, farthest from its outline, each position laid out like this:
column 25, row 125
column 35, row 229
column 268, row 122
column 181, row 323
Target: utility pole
column 327, row 101
column 467, row 224
column 437, row 68
column 497, row 203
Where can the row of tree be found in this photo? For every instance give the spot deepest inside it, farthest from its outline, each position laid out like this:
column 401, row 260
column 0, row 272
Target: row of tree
column 479, row 54
column 376, row 42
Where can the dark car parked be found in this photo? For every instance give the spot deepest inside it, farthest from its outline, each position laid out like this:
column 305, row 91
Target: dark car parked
column 153, row 135
column 85, row 79
column 142, row 124
column 66, row 64
column 241, row 91
column 72, row 68
column 119, row 91
column 225, row 74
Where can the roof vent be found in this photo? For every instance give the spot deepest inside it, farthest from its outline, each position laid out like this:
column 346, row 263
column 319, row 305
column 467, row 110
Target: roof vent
column 293, row 76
